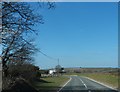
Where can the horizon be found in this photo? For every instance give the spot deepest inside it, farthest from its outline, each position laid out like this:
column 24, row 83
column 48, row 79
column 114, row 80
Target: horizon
column 83, row 68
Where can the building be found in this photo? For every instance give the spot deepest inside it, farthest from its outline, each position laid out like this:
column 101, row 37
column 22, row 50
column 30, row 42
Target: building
column 52, row 71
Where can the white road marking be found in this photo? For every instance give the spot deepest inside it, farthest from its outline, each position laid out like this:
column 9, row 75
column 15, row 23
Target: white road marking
column 83, row 83
column 64, row 85
column 89, row 91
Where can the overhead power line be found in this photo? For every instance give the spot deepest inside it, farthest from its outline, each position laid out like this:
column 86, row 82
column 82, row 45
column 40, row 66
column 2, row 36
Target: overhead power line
column 48, row 56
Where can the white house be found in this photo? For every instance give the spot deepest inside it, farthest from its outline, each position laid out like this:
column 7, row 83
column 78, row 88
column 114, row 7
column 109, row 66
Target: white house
column 52, row 71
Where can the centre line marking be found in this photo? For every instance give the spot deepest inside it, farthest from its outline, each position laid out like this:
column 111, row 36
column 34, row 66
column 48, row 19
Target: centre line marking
column 83, row 83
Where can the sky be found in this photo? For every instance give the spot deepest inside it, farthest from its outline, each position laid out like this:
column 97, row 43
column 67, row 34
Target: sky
column 62, row 0
column 79, row 34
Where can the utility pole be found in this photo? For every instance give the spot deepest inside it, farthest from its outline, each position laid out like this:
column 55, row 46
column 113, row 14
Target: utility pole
column 58, row 68
column 58, row 61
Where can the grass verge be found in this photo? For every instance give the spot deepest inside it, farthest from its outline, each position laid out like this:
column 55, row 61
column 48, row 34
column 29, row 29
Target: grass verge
column 50, row 83
column 108, row 79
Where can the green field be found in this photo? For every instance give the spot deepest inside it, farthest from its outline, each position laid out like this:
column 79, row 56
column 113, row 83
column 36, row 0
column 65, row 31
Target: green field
column 108, row 79
column 50, row 83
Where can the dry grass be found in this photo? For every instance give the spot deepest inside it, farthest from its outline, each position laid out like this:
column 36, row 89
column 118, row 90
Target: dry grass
column 106, row 78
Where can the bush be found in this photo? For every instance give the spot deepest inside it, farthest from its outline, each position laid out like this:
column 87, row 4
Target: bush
column 26, row 71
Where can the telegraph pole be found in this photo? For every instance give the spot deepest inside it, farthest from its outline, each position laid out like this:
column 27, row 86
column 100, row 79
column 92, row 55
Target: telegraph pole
column 58, row 61
column 58, row 67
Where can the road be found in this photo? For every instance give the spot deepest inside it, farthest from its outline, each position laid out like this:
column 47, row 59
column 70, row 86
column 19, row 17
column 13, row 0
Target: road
column 82, row 84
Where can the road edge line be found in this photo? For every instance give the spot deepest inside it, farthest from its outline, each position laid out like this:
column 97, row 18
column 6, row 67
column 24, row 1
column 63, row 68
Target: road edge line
column 101, row 83
column 64, row 85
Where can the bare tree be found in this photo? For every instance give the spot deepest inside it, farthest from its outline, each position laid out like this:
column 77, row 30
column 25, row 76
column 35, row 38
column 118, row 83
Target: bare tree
column 18, row 19
column 16, row 25
column 17, row 22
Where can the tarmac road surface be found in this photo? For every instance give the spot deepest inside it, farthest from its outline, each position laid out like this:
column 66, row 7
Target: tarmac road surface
column 82, row 84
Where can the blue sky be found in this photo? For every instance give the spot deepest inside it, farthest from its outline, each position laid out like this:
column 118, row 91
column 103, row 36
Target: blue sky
column 79, row 34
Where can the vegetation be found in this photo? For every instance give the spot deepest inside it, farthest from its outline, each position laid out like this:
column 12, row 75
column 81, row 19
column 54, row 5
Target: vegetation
column 18, row 21
column 50, row 83
column 106, row 78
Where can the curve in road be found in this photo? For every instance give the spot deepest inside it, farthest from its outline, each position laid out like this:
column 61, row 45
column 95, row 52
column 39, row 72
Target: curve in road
column 82, row 84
